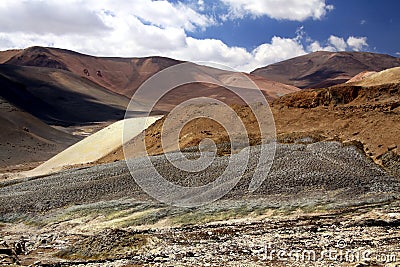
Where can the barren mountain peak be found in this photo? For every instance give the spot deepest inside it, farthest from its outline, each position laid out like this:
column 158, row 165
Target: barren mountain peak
column 322, row 69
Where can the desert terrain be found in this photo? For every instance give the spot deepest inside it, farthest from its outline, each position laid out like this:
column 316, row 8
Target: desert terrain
column 327, row 161
column 322, row 69
column 53, row 86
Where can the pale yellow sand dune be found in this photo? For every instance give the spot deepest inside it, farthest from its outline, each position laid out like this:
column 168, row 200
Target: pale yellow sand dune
column 94, row 146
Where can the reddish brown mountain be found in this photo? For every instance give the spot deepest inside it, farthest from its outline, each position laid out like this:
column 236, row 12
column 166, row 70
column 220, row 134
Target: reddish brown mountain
column 124, row 75
column 322, row 69
column 120, row 75
column 73, row 91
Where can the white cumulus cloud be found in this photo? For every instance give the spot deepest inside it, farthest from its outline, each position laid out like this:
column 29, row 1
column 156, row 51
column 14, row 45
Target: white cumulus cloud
column 316, row 46
column 279, row 49
column 338, row 43
column 335, row 43
column 357, row 43
column 43, row 17
column 149, row 28
column 163, row 13
column 296, row 10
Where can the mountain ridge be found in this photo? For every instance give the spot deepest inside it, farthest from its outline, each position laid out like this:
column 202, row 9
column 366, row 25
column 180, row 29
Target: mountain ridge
column 79, row 94
column 131, row 71
column 124, row 76
column 323, row 69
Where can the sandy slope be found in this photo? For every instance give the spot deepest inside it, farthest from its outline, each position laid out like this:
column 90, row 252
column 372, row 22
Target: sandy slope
column 94, row 146
column 361, row 76
column 391, row 75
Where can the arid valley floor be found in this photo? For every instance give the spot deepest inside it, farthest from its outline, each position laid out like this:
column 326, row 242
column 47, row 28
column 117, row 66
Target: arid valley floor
column 330, row 192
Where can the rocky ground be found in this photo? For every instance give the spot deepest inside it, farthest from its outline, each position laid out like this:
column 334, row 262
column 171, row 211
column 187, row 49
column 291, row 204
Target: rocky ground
column 317, row 197
column 369, row 115
column 366, row 235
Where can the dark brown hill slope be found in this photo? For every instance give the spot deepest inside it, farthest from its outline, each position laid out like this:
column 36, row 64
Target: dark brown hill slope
column 323, row 69
column 25, row 139
column 59, row 97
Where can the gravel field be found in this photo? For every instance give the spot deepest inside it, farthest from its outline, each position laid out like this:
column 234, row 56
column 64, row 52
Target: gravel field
column 320, row 172
column 315, row 198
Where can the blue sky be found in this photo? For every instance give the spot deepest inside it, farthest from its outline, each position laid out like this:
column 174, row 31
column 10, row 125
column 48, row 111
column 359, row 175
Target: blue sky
column 379, row 21
column 242, row 34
